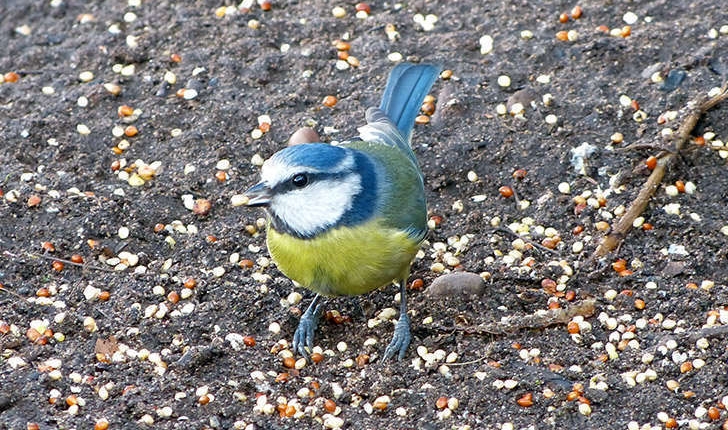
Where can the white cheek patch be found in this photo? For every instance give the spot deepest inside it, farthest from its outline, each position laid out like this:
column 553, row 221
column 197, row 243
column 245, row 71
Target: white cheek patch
column 317, row 206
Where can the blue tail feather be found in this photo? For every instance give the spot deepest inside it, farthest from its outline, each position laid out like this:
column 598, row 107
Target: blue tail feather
column 407, row 86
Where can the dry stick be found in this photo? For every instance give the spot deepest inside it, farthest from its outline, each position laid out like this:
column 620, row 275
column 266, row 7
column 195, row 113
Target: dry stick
column 537, row 320
column 665, row 161
column 529, row 241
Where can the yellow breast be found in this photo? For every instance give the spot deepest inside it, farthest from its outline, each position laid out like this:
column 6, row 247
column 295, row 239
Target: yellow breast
column 345, row 260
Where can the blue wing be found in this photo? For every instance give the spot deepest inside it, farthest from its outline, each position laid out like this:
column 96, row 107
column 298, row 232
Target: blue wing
column 392, row 122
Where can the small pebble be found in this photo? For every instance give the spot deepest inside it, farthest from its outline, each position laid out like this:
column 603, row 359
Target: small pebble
column 457, row 283
column 673, row 80
column 304, row 135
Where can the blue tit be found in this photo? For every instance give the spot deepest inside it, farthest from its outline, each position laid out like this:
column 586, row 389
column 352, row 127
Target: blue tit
column 347, row 219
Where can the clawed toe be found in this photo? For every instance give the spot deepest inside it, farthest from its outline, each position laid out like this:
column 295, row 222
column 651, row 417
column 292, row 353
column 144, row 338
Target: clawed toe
column 303, row 337
column 401, row 339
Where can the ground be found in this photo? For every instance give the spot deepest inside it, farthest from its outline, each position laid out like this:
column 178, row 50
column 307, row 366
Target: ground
column 176, row 318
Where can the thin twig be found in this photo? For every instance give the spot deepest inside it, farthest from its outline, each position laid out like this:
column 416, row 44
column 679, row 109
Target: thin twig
column 11, row 292
column 635, row 146
column 529, row 241
column 665, row 161
column 537, row 320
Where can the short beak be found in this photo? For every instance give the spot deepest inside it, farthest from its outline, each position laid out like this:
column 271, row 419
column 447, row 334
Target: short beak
column 258, row 195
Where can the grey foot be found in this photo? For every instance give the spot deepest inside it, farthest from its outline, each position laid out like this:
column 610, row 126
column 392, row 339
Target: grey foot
column 303, row 337
column 401, row 339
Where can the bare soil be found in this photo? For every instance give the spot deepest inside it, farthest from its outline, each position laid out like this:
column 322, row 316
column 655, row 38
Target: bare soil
column 125, row 360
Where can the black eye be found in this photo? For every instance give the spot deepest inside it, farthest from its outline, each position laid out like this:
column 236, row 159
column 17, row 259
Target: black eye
column 300, row 180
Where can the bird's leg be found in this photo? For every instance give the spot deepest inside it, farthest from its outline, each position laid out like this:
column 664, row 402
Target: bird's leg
column 303, row 337
column 358, row 310
column 402, row 336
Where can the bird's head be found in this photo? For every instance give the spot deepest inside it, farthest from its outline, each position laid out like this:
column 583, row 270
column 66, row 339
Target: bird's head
column 312, row 187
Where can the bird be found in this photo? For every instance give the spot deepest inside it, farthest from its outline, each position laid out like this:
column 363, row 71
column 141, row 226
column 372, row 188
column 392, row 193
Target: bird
column 346, row 219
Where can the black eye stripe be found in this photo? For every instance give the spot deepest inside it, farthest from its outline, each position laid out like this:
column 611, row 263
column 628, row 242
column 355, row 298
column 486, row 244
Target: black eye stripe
column 288, row 184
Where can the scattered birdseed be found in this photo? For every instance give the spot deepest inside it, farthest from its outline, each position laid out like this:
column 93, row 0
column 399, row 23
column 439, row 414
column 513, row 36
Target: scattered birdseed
column 239, row 200
column 132, row 41
column 332, row 422
column 394, row 57
column 113, row 89
column 294, row 298
column 85, row 76
column 630, row 18
column 518, row 109
column 426, row 22
column 127, row 70
column 547, row 99
column 23, row 30
column 190, row 93
column 486, row 44
column 89, row 324
column 504, row 81
column 170, row 77
column 338, row 12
